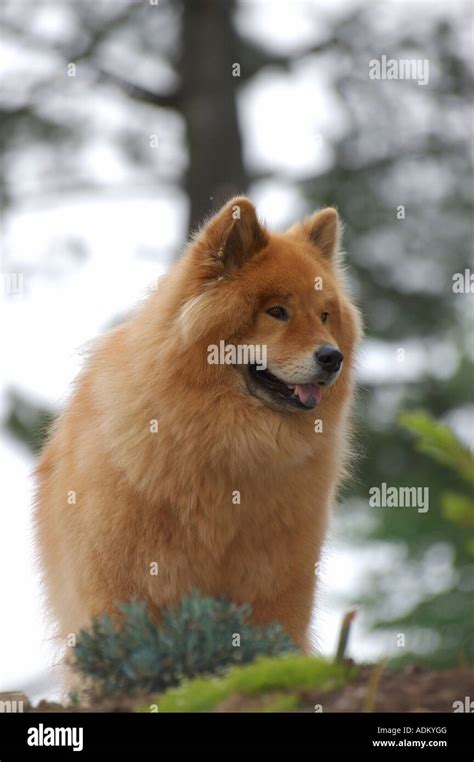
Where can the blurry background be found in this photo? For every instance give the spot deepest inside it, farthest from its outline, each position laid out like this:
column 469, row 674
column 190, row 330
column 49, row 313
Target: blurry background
column 124, row 122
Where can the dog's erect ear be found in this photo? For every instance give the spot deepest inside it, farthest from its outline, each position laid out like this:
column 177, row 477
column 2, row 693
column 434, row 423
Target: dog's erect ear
column 234, row 234
column 324, row 231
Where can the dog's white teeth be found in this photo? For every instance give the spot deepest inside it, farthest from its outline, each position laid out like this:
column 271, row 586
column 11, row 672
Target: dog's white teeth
column 294, row 389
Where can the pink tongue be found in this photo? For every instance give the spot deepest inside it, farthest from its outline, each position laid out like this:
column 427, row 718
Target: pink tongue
column 309, row 394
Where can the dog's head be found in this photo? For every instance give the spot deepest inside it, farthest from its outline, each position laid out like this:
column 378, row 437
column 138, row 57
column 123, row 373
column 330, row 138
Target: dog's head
column 270, row 307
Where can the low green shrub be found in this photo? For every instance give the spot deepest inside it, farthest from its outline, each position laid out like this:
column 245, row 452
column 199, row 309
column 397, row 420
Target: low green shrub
column 130, row 653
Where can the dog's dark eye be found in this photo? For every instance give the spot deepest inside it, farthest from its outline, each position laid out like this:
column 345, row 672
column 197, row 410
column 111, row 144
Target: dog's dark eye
column 278, row 312
column 324, row 317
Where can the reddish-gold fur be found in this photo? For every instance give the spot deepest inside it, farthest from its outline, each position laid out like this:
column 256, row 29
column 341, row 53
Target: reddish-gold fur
column 167, row 497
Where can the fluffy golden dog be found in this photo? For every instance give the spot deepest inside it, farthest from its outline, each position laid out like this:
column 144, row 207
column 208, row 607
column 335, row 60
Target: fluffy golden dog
column 218, row 475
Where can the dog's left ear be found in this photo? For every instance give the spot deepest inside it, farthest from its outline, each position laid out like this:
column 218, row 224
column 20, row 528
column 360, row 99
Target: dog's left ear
column 324, row 231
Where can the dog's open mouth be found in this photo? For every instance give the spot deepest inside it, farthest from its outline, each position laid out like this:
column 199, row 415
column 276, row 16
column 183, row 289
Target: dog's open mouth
column 305, row 396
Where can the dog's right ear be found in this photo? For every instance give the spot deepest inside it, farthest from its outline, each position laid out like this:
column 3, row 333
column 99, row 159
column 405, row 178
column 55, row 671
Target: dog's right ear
column 222, row 246
column 232, row 236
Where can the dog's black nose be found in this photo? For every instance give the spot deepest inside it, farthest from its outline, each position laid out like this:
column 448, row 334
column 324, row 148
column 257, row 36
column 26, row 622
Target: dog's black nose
column 329, row 358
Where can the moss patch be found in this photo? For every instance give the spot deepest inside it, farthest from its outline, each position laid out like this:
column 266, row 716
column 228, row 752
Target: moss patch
column 282, row 675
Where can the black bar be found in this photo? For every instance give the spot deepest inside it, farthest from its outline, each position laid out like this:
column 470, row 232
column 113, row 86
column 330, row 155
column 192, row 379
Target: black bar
column 445, row 735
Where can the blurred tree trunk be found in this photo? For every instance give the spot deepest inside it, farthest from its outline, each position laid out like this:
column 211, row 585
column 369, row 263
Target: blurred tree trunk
column 208, row 98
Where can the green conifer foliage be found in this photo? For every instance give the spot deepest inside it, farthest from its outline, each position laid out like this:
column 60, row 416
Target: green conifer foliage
column 131, row 653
